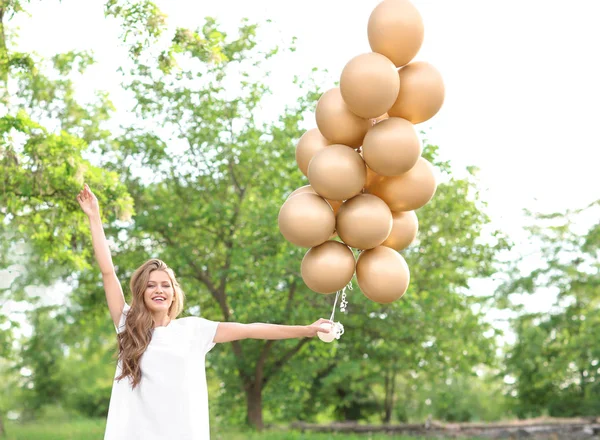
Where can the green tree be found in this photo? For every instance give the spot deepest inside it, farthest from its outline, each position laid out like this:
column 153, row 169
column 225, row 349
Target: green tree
column 207, row 191
column 88, row 365
column 45, row 168
column 455, row 396
column 555, row 360
column 436, row 329
column 207, row 178
column 44, row 134
column 42, row 355
column 219, row 192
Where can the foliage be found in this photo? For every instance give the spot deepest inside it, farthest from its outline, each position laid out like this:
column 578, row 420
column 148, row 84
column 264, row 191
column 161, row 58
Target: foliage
column 198, row 182
column 435, row 329
column 44, row 133
column 474, row 397
column 211, row 205
column 55, row 426
column 555, row 360
column 41, row 357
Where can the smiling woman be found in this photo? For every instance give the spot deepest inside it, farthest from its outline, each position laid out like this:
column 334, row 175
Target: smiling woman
column 159, row 292
column 159, row 289
column 161, row 357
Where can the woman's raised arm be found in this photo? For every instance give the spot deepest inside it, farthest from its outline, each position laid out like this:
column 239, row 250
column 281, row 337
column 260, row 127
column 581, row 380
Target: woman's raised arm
column 114, row 293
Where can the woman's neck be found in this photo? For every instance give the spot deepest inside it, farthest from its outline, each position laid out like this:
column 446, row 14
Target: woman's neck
column 161, row 320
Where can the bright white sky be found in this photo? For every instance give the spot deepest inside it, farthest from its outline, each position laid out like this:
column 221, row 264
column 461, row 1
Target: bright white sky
column 521, row 76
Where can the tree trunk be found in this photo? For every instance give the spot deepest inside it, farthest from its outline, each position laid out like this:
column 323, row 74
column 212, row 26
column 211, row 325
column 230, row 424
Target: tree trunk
column 393, row 392
column 583, row 384
column 390, row 391
column 2, row 430
column 254, row 406
column 387, row 416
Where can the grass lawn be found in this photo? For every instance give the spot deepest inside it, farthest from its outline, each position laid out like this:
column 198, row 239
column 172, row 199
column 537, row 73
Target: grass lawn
column 93, row 429
column 296, row 435
column 90, row 429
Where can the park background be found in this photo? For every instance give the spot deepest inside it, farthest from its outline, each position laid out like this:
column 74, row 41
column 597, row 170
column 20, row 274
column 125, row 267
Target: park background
column 185, row 127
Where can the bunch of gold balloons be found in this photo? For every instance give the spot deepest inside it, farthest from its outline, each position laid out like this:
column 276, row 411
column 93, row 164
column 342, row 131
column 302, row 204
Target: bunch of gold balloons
column 364, row 165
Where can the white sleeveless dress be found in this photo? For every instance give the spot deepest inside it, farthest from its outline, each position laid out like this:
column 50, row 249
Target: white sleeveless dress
column 171, row 401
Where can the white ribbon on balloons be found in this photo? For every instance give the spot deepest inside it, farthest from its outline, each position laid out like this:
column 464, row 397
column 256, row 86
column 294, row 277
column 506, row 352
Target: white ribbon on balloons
column 338, row 327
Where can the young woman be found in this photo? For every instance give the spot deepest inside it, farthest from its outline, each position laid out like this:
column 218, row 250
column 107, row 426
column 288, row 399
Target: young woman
column 159, row 391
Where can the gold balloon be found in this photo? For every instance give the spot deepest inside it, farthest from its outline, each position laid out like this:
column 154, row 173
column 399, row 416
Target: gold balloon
column 410, row 191
column 421, row 92
column 382, row 274
column 396, row 30
column 404, row 230
column 364, row 221
column 337, row 172
column 335, row 204
column 328, row 267
column 372, row 178
column 337, row 123
column 306, row 220
column 302, row 190
column 369, row 85
column 310, row 142
column 391, row 147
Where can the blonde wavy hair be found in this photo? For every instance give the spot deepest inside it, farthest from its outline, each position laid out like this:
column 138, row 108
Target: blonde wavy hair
column 139, row 323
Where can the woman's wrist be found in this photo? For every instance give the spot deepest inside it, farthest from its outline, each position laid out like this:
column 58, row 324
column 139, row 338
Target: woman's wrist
column 307, row 331
column 94, row 217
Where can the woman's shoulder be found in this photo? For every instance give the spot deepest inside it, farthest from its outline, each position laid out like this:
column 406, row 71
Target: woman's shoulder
column 197, row 322
column 192, row 320
column 186, row 320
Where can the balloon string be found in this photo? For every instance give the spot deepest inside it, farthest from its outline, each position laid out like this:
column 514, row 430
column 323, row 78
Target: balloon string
column 334, row 304
column 343, row 303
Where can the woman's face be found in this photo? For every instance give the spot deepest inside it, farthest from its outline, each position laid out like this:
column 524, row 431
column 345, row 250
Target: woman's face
column 159, row 292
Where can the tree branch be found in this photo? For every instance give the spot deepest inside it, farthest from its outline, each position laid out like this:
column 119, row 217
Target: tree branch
column 239, row 354
column 283, row 360
column 236, row 183
column 198, row 273
column 264, row 354
column 203, row 277
column 229, row 244
column 260, row 363
column 290, row 299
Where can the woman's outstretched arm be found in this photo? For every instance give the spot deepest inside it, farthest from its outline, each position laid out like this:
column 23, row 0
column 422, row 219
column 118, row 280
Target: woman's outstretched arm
column 114, row 293
column 234, row 331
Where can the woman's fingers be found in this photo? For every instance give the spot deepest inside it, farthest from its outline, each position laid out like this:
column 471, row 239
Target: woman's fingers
column 82, row 196
column 88, row 191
